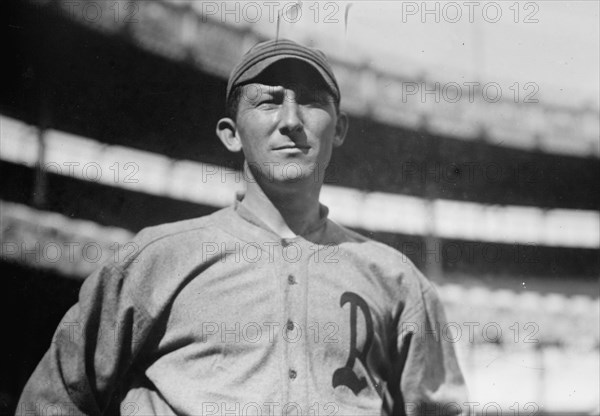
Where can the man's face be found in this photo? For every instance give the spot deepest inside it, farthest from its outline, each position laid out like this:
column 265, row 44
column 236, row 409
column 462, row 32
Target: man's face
column 287, row 124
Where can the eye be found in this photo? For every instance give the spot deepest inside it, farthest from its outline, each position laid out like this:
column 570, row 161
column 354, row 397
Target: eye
column 267, row 104
column 269, row 101
column 315, row 99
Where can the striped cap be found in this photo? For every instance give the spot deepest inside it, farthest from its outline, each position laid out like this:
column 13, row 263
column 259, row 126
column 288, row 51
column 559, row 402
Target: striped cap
column 264, row 54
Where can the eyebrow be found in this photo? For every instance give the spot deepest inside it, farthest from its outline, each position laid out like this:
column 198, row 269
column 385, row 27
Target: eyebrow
column 315, row 92
column 271, row 89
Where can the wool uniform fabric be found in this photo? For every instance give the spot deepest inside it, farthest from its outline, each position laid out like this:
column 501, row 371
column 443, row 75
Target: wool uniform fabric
column 219, row 315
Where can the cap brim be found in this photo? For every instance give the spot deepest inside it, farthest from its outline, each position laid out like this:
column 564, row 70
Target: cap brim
column 256, row 70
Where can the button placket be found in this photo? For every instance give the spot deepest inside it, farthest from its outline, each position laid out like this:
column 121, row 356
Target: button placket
column 292, row 282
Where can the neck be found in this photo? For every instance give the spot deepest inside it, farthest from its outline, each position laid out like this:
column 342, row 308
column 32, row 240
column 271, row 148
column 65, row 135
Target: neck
column 289, row 210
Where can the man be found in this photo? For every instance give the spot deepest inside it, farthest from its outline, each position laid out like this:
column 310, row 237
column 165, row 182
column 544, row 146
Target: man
column 267, row 307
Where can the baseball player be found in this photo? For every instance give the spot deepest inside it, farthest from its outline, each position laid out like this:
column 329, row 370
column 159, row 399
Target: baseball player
column 266, row 307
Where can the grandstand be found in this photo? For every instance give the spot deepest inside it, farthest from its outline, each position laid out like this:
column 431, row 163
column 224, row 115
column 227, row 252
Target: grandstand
column 107, row 126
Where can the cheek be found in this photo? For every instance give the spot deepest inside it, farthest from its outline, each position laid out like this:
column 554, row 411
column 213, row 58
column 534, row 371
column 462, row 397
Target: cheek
column 323, row 130
column 252, row 137
column 254, row 125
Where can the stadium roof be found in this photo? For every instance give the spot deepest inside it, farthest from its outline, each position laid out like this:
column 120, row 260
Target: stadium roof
column 504, row 111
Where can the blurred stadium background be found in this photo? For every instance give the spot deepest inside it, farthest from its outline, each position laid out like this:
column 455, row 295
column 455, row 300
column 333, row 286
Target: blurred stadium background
column 107, row 125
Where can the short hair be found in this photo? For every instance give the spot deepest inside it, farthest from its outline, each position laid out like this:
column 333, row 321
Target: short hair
column 233, row 102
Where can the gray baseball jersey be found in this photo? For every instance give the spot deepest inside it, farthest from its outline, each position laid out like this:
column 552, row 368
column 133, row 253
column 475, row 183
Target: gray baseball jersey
column 219, row 315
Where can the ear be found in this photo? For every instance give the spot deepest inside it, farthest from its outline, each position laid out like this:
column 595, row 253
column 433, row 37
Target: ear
column 341, row 128
column 226, row 130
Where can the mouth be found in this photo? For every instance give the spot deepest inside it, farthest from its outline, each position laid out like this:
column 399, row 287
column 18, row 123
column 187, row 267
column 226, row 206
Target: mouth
column 292, row 147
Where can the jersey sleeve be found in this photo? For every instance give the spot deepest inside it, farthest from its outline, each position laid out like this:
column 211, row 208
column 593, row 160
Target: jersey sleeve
column 430, row 379
column 91, row 350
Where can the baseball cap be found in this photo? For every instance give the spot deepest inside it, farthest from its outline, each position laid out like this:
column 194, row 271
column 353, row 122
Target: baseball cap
column 264, row 54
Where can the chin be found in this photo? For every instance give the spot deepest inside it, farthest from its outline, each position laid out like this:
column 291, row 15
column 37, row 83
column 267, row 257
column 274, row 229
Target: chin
column 290, row 173
column 293, row 172
column 290, row 180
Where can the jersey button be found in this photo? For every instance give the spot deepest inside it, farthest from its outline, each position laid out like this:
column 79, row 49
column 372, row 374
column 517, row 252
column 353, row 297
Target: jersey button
column 290, row 326
column 292, row 374
column 291, row 279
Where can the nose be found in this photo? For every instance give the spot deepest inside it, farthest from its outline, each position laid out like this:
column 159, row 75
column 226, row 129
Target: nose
column 290, row 117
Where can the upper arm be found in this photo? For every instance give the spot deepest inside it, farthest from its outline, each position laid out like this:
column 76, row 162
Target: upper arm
column 92, row 347
column 431, row 378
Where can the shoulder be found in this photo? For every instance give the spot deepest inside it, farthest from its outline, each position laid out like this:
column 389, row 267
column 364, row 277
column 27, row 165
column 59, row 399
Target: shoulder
column 393, row 268
column 366, row 247
column 183, row 229
column 176, row 246
column 164, row 257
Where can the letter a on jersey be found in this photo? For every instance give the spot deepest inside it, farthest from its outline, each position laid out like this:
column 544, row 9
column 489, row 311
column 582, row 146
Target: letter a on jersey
column 345, row 376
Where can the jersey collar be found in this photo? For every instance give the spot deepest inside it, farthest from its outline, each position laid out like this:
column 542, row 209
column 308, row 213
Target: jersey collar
column 252, row 218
